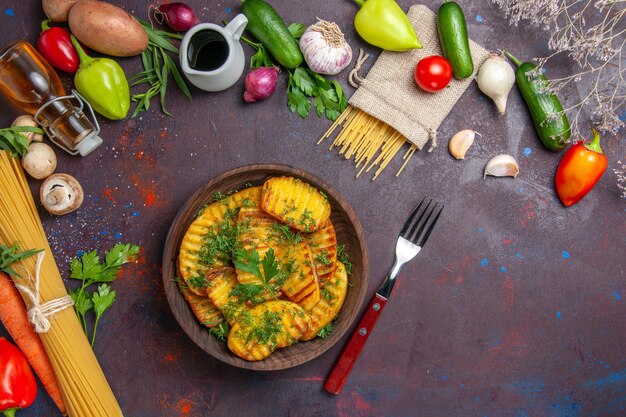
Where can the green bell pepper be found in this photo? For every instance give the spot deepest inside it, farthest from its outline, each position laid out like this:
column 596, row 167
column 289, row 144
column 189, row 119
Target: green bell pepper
column 382, row 23
column 102, row 82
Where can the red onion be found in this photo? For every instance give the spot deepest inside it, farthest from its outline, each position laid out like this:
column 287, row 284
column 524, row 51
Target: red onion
column 260, row 83
column 178, row 16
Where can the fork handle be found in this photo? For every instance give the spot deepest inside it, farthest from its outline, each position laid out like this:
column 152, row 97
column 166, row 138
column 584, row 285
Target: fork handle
column 338, row 376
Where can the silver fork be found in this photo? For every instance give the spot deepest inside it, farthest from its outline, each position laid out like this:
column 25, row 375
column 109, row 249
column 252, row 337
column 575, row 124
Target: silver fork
column 413, row 236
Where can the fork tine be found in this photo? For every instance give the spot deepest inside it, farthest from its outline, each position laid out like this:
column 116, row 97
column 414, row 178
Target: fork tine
column 411, row 218
column 422, row 221
column 432, row 226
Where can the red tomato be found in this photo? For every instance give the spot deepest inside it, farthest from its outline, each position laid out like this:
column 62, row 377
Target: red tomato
column 433, row 73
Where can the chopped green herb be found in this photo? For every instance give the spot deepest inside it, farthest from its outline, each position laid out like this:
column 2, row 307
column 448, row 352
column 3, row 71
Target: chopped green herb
column 220, row 331
column 327, row 294
column 248, row 293
column 306, row 219
column 285, row 233
column 325, row 331
column 342, row 256
column 218, row 196
column 323, row 258
column 198, row 282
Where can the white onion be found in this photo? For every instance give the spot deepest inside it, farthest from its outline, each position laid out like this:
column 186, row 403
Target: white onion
column 496, row 78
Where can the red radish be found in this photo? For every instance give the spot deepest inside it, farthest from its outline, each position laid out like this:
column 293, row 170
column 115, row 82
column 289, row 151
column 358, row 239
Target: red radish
column 178, row 16
column 260, row 83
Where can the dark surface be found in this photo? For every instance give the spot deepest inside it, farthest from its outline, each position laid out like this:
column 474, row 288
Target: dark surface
column 515, row 308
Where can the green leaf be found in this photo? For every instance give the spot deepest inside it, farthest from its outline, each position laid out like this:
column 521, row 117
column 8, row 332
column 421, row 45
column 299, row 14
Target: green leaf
column 248, row 261
column 270, row 265
column 12, row 139
column 296, row 30
column 343, row 101
column 10, row 255
column 157, row 37
column 298, row 102
column 82, row 302
column 302, row 79
column 332, row 114
column 102, row 299
column 247, row 292
column 115, row 258
column 178, row 77
column 87, row 268
column 319, row 106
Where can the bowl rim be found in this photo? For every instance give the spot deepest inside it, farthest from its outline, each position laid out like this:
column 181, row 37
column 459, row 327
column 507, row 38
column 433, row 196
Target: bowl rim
column 170, row 255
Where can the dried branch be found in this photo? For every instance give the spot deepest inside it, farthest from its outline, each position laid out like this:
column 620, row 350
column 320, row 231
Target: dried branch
column 597, row 48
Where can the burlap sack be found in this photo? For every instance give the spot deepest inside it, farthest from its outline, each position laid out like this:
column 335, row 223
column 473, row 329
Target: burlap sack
column 389, row 93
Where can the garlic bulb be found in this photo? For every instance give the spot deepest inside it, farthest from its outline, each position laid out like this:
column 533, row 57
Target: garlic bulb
column 325, row 49
column 495, row 78
column 502, row 166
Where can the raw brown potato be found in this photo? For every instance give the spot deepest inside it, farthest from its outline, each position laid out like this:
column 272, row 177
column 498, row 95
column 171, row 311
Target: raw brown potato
column 107, row 28
column 334, row 292
column 266, row 327
column 57, row 10
column 296, row 203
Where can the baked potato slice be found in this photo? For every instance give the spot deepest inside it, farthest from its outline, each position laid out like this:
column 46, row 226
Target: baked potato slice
column 258, row 232
column 205, row 311
column 222, row 282
column 333, row 291
column 267, row 327
column 323, row 245
column 301, row 285
column 203, row 245
column 295, row 202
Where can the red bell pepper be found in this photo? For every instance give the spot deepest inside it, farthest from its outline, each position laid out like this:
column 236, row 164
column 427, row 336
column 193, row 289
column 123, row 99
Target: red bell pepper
column 55, row 45
column 18, row 387
column 579, row 170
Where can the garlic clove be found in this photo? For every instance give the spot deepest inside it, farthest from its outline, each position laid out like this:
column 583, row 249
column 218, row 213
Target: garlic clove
column 461, row 142
column 502, row 166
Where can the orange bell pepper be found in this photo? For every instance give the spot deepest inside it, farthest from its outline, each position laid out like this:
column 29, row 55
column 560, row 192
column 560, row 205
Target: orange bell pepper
column 580, row 169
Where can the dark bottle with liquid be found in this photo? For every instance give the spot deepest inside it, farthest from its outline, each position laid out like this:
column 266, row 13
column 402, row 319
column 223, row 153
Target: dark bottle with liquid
column 30, row 84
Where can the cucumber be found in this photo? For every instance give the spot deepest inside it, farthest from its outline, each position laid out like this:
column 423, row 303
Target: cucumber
column 269, row 29
column 454, row 41
column 553, row 133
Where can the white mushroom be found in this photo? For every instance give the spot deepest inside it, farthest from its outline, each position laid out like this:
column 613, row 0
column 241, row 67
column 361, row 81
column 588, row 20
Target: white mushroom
column 40, row 160
column 28, row 120
column 61, row 194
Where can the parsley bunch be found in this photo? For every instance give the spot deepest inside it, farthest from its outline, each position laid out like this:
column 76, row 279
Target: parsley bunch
column 328, row 97
column 90, row 270
column 271, row 279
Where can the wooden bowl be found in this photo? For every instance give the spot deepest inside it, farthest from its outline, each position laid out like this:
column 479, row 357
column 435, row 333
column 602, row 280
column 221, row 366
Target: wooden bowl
column 349, row 233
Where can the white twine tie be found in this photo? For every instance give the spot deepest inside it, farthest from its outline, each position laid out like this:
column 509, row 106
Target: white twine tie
column 38, row 313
